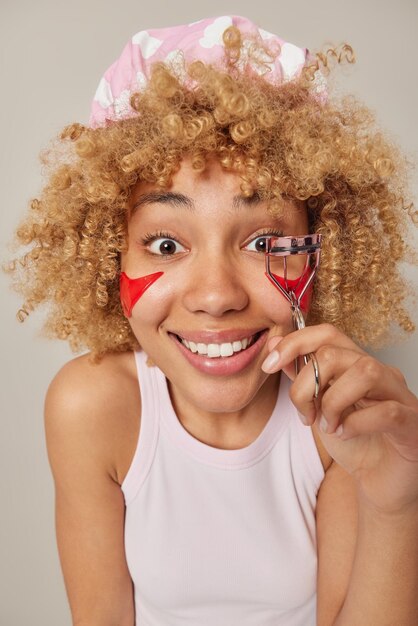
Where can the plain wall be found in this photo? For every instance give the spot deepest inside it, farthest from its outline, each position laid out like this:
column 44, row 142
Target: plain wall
column 53, row 54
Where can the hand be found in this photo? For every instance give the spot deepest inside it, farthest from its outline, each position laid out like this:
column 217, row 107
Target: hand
column 367, row 416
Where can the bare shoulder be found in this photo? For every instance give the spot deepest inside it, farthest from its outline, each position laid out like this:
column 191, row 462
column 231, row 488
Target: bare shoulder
column 102, row 402
column 91, row 418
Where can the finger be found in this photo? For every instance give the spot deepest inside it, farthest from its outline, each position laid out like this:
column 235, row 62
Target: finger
column 270, row 362
column 398, row 421
column 332, row 362
column 365, row 379
column 273, row 342
column 304, row 341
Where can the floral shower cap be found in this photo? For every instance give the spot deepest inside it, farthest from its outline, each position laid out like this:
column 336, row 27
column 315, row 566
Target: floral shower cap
column 200, row 40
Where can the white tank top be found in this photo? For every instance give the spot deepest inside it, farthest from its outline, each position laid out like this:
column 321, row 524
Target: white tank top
column 221, row 537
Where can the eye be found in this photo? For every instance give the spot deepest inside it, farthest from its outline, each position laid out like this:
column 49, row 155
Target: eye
column 259, row 242
column 165, row 246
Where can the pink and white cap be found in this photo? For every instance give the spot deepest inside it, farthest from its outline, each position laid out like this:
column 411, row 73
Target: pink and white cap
column 200, row 40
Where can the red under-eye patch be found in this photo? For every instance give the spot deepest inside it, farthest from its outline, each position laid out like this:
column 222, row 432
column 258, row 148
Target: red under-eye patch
column 131, row 289
column 295, row 285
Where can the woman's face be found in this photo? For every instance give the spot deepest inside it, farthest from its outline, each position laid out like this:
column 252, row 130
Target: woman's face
column 214, row 296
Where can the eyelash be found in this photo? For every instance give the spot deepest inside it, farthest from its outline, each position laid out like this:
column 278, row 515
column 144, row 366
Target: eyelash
column 268, row 232
column 150, row 237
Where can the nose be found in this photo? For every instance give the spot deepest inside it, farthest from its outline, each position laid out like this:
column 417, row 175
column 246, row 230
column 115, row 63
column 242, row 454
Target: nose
column 214, row 286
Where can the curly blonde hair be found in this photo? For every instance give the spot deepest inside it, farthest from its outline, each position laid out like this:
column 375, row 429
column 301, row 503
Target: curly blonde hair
column 283, row 141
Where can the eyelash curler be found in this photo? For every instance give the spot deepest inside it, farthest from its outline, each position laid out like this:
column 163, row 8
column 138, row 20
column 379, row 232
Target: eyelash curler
column 295, row 290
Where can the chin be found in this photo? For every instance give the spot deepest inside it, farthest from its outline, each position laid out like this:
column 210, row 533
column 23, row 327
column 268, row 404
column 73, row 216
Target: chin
column 218, row 395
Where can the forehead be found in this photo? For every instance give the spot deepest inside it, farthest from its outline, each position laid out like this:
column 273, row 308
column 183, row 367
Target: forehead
column 213, row 180
column 205, row 192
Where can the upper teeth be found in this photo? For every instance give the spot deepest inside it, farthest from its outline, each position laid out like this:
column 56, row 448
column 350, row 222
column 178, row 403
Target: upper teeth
column 217, row 349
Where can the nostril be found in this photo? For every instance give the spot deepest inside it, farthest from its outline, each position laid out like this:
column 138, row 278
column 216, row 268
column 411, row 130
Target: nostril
column 215, row 297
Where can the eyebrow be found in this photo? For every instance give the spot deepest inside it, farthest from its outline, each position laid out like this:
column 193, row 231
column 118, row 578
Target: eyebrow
column 246, row 201
column 180, row 200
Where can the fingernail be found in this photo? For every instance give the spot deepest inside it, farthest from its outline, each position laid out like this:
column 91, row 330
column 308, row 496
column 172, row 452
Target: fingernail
column 271, row 361
column 339, row 430
column 323, row 424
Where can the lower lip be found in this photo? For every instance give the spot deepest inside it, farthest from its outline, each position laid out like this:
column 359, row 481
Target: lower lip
column 223, row 366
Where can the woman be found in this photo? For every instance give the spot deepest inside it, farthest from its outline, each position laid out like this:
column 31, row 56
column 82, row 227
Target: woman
column 188, row 490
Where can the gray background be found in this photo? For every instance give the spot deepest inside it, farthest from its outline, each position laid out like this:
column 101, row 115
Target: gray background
column 53, row 54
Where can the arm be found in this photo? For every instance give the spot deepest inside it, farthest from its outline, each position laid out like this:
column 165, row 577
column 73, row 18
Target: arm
column 367, row 562
column 384, row 581
column 368, row 423
column 336, row 531
column 89, row 502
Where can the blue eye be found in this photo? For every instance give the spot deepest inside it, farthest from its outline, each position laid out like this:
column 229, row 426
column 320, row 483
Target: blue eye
column 165, row 247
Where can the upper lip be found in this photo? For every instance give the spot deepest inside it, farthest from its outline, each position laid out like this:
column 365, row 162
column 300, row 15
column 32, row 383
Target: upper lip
column 217, row 336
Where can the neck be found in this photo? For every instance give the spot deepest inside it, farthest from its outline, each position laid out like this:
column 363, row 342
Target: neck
column 231, row 430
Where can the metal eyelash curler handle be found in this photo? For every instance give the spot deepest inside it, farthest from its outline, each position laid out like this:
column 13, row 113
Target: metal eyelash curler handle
column 294, row 290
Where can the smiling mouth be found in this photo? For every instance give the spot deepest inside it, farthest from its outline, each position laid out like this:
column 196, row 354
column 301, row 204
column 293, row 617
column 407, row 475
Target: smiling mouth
column 218, row 350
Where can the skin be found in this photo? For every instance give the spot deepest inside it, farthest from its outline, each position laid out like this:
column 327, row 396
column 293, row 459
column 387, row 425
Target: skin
column 367, row 505
column 368, row 423
column 367, row 416
column 233, row 294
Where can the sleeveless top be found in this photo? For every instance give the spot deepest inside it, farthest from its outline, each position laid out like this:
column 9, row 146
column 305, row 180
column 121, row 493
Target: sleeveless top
column 221, row 537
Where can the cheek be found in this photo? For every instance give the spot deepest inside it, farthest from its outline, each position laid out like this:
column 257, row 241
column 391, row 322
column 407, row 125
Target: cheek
column 132, row 289
column 154, row 304
column 296, row 286
column 269, row 304
column 276, row 306
column 150, row 299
